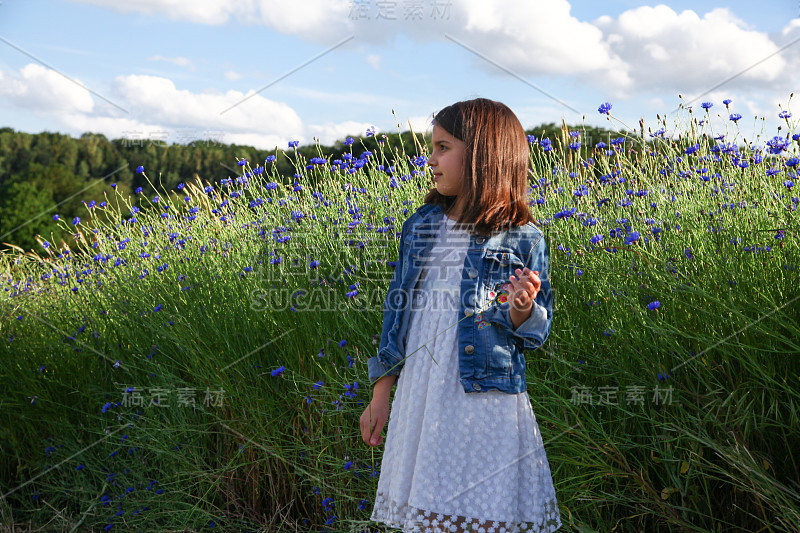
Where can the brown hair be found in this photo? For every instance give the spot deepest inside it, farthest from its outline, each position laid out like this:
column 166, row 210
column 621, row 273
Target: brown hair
column 496, row 155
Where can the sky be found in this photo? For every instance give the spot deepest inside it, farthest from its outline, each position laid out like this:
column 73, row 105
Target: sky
column 266, row 72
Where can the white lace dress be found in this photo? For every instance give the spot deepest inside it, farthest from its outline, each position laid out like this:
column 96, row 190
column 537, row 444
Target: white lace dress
column 453, row 459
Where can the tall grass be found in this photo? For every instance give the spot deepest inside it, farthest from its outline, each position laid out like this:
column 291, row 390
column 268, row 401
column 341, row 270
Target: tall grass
column 201, row 362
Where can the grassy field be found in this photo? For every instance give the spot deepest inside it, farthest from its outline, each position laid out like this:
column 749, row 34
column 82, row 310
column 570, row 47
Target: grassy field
column 201, row 363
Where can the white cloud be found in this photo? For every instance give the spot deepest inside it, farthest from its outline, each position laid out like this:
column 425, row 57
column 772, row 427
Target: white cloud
column 374, row 61
column 420, row 124
column 309, row 19
column 215, row 12
column 331, row 132
column 159, row 99
column 537, row 38
column 158, row 110
column 43, row 90
column 232, row 75
column 179, row 61
column 684, row 52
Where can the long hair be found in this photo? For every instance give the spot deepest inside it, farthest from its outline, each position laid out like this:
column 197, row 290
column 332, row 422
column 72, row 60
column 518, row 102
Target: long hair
column 496, row 156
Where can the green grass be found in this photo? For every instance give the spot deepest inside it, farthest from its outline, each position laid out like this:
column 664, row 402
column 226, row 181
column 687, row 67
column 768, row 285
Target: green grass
column 679, row 418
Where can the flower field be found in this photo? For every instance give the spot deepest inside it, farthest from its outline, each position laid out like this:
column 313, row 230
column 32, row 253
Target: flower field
column 195, row 359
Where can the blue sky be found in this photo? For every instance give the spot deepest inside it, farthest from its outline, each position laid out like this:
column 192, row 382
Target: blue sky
column 176, row 70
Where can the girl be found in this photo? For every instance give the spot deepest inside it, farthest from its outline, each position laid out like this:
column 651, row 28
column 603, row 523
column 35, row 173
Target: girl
column 463, row 449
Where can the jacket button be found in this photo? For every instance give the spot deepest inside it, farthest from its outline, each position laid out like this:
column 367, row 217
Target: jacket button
column 469, row 348
column 480, row 240
column 473, row 273
column 476, row 386
column 469, row 312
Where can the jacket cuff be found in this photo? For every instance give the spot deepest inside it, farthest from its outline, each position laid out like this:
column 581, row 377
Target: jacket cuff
column 530, row 332
column 377, row 370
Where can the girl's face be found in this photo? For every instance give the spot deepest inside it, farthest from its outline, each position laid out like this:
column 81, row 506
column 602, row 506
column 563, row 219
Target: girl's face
column 447, row 162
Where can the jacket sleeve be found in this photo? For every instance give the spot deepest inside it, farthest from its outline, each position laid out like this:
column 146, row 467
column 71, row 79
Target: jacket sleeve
column 376, row 368
column 534, row 331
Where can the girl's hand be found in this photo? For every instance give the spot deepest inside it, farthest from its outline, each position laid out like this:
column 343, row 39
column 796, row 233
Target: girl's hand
column 373, row 419
column 526, row 286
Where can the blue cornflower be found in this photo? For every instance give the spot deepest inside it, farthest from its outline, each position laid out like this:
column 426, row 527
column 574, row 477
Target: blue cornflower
column 278, row 371
column 370, row 131
column 270, row 158
column 735, row 116
column 138, row 190
column 791, row 162
column 784, row 114
column 566, row 213
column 349, row 141
column 342, row 343
column 546, row 144
column 596, row 239
column 600, row 145
column 706, row 105
column 242, row 162
column 293, row 144
column 632, row 237
column 654, row 305
column 139, row 169
column 575, row 145
column 727, row 101
column 75, row 221
column 604, row 108
column 777, row 145
column 531, row 139
column 45, row 244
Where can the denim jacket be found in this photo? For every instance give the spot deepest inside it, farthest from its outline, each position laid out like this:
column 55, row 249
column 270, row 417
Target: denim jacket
column 490, row 350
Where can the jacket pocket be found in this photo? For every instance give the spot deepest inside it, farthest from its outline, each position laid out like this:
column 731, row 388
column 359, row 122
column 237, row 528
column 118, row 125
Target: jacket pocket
column 499, row 266
column 504, row 260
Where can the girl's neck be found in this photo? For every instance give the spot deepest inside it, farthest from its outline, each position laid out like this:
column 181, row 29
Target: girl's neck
column 454, row 212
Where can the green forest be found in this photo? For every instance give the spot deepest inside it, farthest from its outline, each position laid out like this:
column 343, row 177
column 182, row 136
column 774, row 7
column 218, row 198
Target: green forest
column 46, row 173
